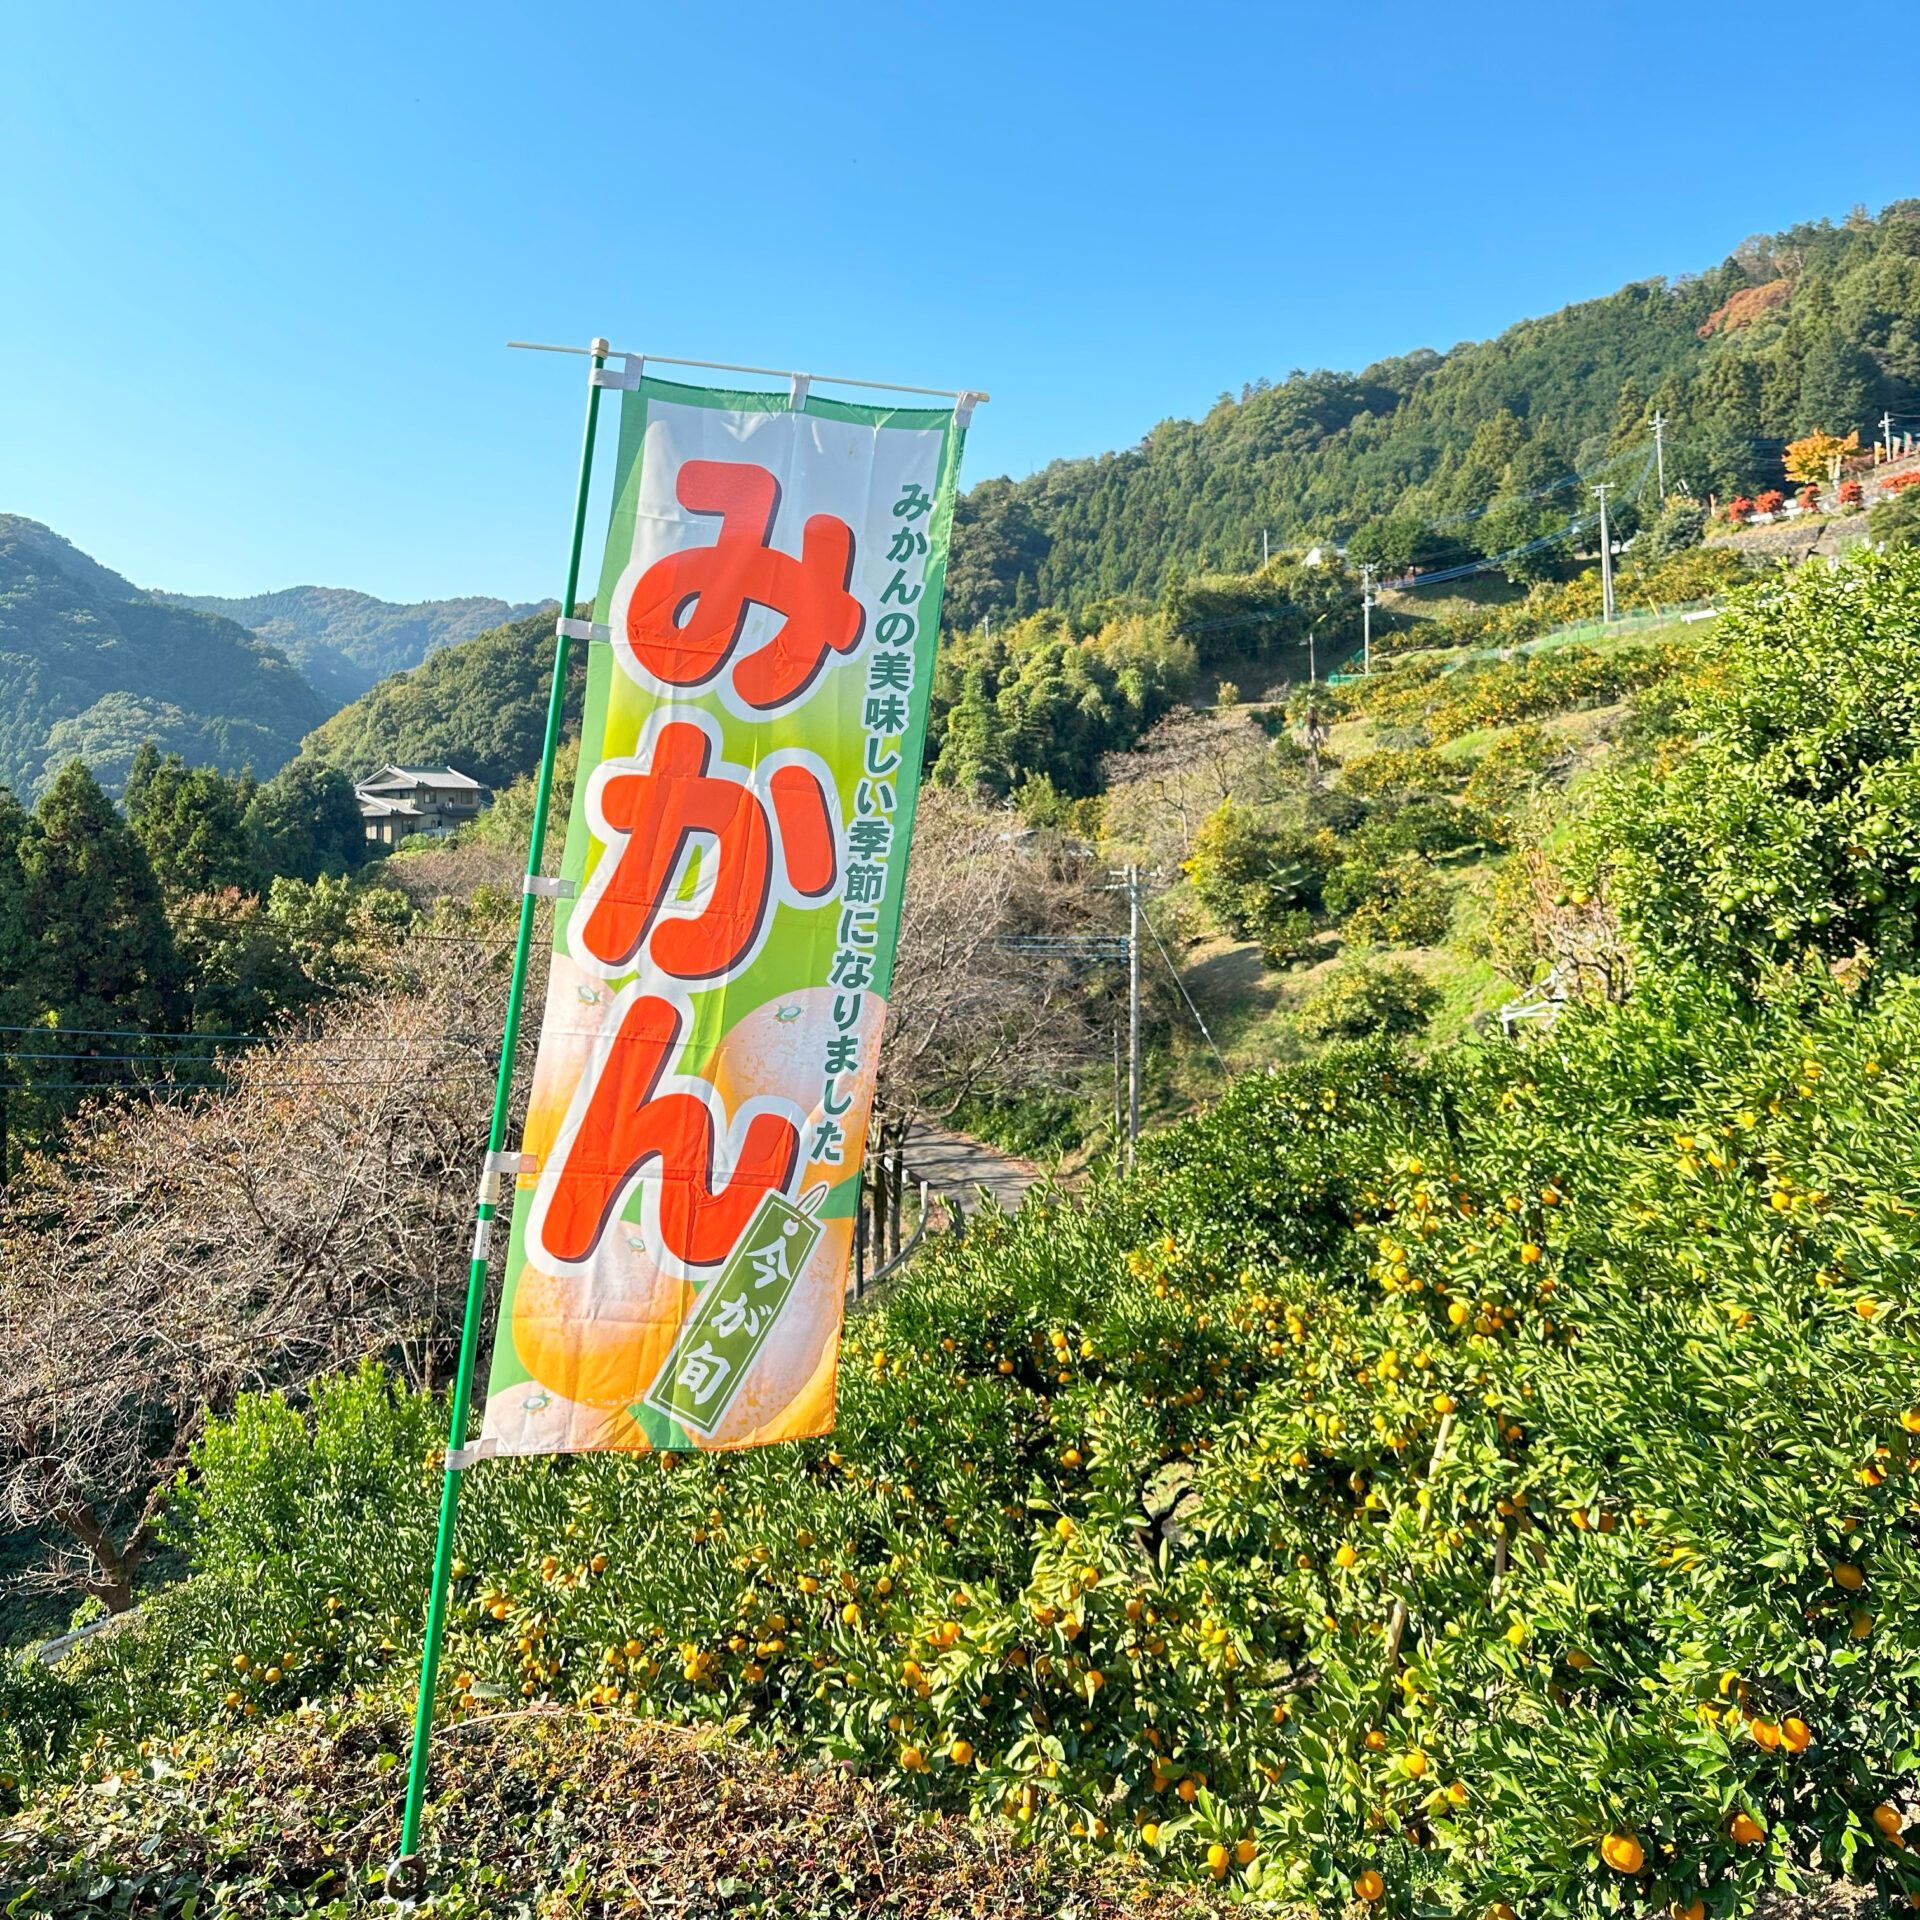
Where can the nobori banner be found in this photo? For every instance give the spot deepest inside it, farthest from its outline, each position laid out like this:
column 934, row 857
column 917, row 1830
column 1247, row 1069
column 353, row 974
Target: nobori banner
column 756, row 704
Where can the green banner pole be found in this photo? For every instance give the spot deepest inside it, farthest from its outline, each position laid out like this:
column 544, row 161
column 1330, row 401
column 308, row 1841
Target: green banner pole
column 405, row 1867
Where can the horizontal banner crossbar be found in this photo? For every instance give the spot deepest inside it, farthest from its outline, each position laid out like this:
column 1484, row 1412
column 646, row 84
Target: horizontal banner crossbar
column 767, row 373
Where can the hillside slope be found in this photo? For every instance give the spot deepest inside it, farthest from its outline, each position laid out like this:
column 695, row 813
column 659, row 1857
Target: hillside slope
column 480, row 706
column 344, row 641
column 91, row 666
column 1818, row 327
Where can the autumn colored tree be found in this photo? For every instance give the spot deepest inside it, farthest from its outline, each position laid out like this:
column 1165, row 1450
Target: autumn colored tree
column 1816, row 459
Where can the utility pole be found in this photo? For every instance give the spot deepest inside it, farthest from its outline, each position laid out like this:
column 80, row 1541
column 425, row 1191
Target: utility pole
column 1886, row 432
column 1606, row 555
column 1366, row 618
column 1660, row 454
column 1133, row 1011
column 1265, row 556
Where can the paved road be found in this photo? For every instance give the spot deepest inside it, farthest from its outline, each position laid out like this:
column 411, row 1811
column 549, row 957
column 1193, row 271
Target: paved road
column 958, row 1166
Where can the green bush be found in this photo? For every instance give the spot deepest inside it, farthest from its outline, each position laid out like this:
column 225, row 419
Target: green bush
column 1783, row 816
column 1363, row 996
column 1388, row 897
column 1594, row 1356
column 1251, row 876
column 1895, row 524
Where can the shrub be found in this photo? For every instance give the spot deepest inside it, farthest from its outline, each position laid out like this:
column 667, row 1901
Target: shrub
column 1515, row 1411
column 1895, row 524
column 1771, row 501
column 1249, row 875
column 1850, row 496
column 1363, row 996
column 1680, row 528
column 1784, row 818
column 1510, row 769
column 1394, row 771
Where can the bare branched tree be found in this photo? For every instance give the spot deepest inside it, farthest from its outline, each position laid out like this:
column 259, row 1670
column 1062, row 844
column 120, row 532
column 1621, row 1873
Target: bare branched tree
column 313, row 1211
column 973, row 1004
column 1187, row 766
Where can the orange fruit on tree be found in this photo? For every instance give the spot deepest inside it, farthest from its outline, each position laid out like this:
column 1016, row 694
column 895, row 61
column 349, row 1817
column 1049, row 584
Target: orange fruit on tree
column 1887, row 1819
column 1795, row 1734
column 961, row 1753
column 1244, row 1851
column 1698, row 1910
column 1746, row 1829
column 1623, row 1853
column 1848, row 1577
column 1370, row 1886
column 1217, row 1860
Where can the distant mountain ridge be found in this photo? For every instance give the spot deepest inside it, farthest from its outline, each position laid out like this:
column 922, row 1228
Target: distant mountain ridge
column 91, row 667
column 345, row 641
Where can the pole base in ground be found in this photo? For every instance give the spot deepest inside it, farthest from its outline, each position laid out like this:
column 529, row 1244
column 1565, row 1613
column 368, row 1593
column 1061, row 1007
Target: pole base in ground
column 403, row 1877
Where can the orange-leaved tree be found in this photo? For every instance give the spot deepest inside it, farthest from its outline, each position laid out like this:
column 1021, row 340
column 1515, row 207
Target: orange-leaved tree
column 1817, row 458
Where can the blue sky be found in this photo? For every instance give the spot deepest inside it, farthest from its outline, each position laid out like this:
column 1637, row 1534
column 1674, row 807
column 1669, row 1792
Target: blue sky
column 260, row 262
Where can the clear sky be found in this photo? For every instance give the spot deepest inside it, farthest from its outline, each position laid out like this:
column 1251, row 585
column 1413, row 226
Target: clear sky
column 258, row 263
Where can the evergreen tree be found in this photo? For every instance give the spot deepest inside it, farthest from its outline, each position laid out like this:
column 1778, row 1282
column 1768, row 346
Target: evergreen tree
column 101, row 954
column 305, row 822
column 1837, row 384
column 191, row 821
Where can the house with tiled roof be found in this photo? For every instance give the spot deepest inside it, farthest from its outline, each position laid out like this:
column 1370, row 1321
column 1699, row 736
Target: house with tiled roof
column 398, row 801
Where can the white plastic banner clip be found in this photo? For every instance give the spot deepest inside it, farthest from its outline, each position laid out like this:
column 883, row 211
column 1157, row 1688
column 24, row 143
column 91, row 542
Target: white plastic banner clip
column 542, row 888
column 581, row 629
column 963, row 409
column 504, row 1162
column 626, row 379
column 798, row 401
column 459, row 1459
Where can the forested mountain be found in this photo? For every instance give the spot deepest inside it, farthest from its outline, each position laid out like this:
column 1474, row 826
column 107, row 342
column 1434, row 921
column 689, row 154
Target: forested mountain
column 92, row 667
column 480, row 706
column 345, row 641
column 1816, row 328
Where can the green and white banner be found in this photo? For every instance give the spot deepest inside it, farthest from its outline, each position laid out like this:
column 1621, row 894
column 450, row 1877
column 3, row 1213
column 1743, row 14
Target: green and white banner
column 750, row 759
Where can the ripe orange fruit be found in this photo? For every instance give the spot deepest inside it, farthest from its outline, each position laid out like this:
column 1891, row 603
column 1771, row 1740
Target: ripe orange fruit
column 961, row 1753
column 912, row 1759
column 1416, row 1764
column 1746, row 1829
column 1370, row 1886
column 1887, row 1819
column 1217, row 1861
column 1244, row 1852
column 1848, row 1577
column 1766, row 1733
column 1698, row 1911
column 1529, row 1254
column 1150, row 1833
column 1795, row 1734
column 1860, row 1625
column 1187, row 1790
column 1346, row 1556
column 1623, row 1853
